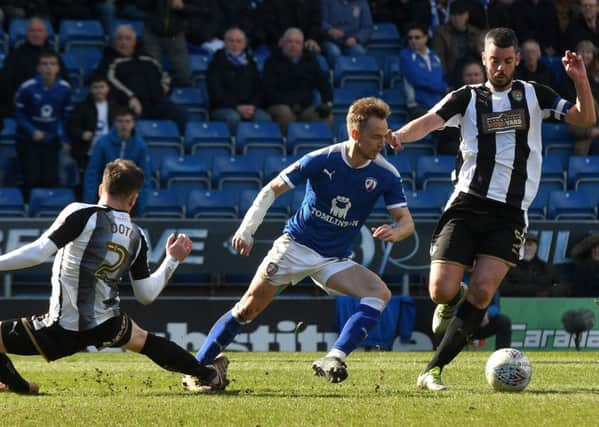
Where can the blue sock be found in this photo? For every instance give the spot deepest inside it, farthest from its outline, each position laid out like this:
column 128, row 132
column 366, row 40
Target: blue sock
column 221, row 335
column 356, row 328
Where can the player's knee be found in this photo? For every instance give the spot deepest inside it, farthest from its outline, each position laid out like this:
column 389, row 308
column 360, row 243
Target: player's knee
column 442, row 294
column 480, row 296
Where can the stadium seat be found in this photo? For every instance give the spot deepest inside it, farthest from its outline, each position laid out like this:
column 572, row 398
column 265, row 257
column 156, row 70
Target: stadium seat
column 357, row 72
column 279, row 208
column 184, row 173
column 571, row 205
column 434, row 168
column 208, row 139
column 537, row 209
column 392, row 72
column 212, row 204
column 82, row 62
column 425, row 204
column 555, row 133
column 552, row 170
column 238, row 172
column 591, row 187
column 138, row 27
column 403, row 165
column 263, row 137
column 343, row 97
column 164, row 203
column 8, row 152
column 542, row 197
column 157, row 151
column 581, row 168
column 303, row 137
column 79, row 94
column 396, row 98
column 561, row 151
column 192, row 99
column 384, row 40
column 274, row 164
column 324, row 67
column 88, row 32
column 164, row 131
column 17, row 28
column 11, row 202
column 198, row 65
column 442, row 188
column 48, row 202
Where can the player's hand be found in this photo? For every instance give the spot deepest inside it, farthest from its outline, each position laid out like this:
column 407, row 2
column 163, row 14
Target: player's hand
column 574, row 66
column 243, row 245
column 178, row 246
column 394, row 142
column 385, row 232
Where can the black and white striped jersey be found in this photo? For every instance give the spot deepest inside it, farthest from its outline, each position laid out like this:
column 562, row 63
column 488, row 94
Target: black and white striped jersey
column 97, row 246
column 501, row 149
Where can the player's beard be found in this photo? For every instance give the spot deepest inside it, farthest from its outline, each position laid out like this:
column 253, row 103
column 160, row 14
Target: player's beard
column 503, row 82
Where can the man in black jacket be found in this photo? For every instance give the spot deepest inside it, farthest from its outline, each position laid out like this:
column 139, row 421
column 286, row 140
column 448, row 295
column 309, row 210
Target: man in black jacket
column 137, row 79
column 291, row 75
column 164, row 32
column 234, row 84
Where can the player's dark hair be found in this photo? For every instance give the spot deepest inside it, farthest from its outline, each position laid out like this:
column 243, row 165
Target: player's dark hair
column 502, row 37
column 363, row 109
column 97, row 78
column 417, row 26
column 122, row 178
column 123, row 111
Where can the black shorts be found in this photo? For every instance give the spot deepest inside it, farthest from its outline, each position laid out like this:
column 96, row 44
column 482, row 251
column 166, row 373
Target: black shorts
column 473, row 226
column 29, row 336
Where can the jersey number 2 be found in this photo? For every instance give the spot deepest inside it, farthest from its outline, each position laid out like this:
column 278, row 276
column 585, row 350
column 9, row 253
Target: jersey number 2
column 105, row 267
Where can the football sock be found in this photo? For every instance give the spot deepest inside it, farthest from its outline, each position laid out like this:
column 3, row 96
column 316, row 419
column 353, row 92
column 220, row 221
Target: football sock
column 456, row 298
column 468, row 318
column 357, row 326
column 170, row 356
column 10, row 376
column 221, row 335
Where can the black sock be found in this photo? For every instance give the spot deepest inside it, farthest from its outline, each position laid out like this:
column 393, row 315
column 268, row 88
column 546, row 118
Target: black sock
column 170, row 356
column 10, row 376
column 456, row 298
column 459, row 330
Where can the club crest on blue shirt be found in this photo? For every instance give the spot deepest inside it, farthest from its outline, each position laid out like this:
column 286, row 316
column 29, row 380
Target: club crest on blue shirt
column 370, row 183
column 517, row 95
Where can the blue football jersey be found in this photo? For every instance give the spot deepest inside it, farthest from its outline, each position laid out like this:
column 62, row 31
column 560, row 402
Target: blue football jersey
column 338, row 197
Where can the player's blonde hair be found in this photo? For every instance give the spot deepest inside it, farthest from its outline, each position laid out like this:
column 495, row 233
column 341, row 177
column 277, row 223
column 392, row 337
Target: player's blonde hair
column 363, row 109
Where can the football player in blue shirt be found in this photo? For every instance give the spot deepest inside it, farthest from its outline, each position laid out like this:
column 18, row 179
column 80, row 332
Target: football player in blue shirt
column 343, row 182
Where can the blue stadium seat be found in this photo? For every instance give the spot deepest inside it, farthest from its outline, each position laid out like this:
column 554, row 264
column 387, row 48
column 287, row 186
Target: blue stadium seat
column 184, row 173
column 555, row 63
column 192, row 99
column 81, row 63
column 384, row 40
column 546, row 188
column 279, row 208
column 208, row 139
column 396, row 98
column 392, row 72
column 591, row 187
column 571, row 205
column 11, row 202
column 88, row 32
column 403, row 165
column 238, row 172
column 552, row 170
column 442, row 188
column 157, row 151
column 561, row 151
column 555, row 133
column 274, row 164
column 264, row 137
column 343, row 97
column 48, row 202
column 434, row 168
column 537, row 209
column 164, row 203
column 581, row 168
column 17, row 28
column 138, row 27
column 212, row 204
column 303, row 137
column 79, row 94
column 198, row 65
column 425, row 204
column 164, row 131
column 324, row 67
column 361, row 72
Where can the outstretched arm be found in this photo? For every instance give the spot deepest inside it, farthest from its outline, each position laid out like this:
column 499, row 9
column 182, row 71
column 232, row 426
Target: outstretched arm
column 147, row 289
column 416, row 130
column 243, row 240
column 403, row 227
column 29, row 255
column 583, row 112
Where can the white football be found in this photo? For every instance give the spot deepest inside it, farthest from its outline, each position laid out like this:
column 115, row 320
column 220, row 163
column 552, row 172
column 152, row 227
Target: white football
column 508, row 369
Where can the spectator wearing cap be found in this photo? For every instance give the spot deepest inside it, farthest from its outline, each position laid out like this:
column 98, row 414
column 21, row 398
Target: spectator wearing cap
column 586, row 267
column 456, row 42
column 531, row 277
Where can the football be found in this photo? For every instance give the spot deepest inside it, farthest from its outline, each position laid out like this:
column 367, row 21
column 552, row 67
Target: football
column 508, row 369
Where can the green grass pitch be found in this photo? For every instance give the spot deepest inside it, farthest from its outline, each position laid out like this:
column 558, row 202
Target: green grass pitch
column 278, row 389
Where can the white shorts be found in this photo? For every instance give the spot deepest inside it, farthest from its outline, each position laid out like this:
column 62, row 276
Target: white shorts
column 288, row 262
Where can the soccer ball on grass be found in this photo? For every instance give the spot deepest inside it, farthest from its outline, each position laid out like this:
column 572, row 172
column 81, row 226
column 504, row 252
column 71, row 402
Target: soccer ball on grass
column 508, row 369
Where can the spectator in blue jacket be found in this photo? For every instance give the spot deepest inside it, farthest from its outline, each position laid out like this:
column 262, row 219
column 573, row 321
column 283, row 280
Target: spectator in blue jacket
column 121, row 142
column 423, row 73
column 42, row 105
column 347, row 27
